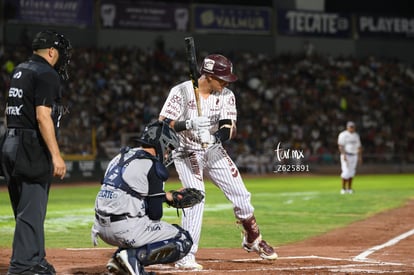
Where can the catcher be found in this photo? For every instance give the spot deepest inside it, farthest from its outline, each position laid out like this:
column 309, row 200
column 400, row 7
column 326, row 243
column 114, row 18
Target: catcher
column 128, row 207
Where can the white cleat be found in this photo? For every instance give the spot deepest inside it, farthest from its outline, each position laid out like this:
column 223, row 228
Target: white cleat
column 261, row 247
column 188, row 265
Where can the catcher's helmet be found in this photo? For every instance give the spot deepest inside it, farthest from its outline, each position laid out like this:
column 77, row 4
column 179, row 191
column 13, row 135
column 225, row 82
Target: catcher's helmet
column 218, row 66
column 50, row 38
column 162, row 137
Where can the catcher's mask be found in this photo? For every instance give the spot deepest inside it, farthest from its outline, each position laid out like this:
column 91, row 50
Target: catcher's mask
column 163, row 138
column 50, row 38
column 218, row 66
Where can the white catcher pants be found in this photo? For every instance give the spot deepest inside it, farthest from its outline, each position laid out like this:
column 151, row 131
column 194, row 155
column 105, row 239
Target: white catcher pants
column 132, row 232
column 215, row 163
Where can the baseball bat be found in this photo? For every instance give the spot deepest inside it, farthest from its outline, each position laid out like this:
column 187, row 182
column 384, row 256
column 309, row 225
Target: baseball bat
column 192, row 64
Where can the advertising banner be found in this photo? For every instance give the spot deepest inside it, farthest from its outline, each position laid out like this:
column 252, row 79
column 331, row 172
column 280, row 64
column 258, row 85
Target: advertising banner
column 232, row 19
column 310, row 23
column 385, row 26
column 51, row 12
column 144, row 15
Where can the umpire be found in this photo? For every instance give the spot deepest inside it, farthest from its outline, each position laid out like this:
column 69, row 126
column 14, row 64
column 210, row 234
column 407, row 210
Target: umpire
column 30, row 153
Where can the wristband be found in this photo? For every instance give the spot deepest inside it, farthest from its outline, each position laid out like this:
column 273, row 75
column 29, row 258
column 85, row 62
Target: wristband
column 180, row 125
column 188, row 124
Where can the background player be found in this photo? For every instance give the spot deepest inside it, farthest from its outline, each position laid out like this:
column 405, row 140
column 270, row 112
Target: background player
column 192, row 161
column 128, row 208
column 350, row 148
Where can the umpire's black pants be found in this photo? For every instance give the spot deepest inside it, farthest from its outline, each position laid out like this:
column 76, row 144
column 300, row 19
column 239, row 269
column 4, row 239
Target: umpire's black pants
column 29, row 202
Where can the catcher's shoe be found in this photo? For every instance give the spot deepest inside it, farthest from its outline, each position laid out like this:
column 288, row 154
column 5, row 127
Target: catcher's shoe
column 122, row 258
column 132, row 267
column 115, row 268
column 260, row 246
column 188, row 263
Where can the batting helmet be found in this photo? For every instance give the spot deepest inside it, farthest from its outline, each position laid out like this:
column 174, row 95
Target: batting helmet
column 50, row 38
column 218, row 66
column 162, row 137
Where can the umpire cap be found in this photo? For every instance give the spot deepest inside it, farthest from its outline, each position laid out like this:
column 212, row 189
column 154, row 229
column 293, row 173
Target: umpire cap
column 218, row 66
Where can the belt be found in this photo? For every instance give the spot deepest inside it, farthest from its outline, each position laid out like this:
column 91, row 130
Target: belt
column 113, row 218
column 11, row 132
column 350, row 154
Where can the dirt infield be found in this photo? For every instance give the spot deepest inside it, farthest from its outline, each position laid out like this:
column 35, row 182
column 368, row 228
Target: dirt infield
column 382, row 244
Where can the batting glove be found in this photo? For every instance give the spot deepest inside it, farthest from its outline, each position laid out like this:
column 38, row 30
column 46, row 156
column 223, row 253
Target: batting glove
column 197, row 123
column 205, row 136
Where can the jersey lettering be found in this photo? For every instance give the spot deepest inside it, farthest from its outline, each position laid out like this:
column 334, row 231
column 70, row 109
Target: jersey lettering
column 113, row 175
column 172, row 113
column 15, row 92
column 107, row 194
column 14, row 110
column 173, row 107
column 152, row 228
column 176, row 99
column 17, row 75
column 191, row 105
column 231, row 101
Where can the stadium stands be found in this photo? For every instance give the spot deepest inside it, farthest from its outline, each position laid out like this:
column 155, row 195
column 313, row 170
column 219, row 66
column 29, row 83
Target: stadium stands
column 299, row 101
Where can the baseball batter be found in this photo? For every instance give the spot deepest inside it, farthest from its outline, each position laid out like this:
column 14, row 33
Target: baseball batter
column 193, row 161
column 350, row 148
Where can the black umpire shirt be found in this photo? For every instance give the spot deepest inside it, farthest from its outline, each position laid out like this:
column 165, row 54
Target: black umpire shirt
column 33, row 83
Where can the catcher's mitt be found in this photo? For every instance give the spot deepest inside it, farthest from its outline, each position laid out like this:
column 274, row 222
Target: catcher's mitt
column 185, row 197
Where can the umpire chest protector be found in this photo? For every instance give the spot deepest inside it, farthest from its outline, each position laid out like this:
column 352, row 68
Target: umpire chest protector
column 114, row 175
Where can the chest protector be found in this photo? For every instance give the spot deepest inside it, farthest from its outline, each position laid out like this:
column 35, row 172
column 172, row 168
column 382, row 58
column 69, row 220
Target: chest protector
column 114, row 175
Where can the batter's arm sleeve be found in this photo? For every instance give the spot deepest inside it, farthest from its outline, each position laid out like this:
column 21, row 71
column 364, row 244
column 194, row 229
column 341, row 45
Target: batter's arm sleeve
column 227, row 130
column 156, row 195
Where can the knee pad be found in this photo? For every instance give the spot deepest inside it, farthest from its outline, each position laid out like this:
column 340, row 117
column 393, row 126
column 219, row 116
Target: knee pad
column 167, row 251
